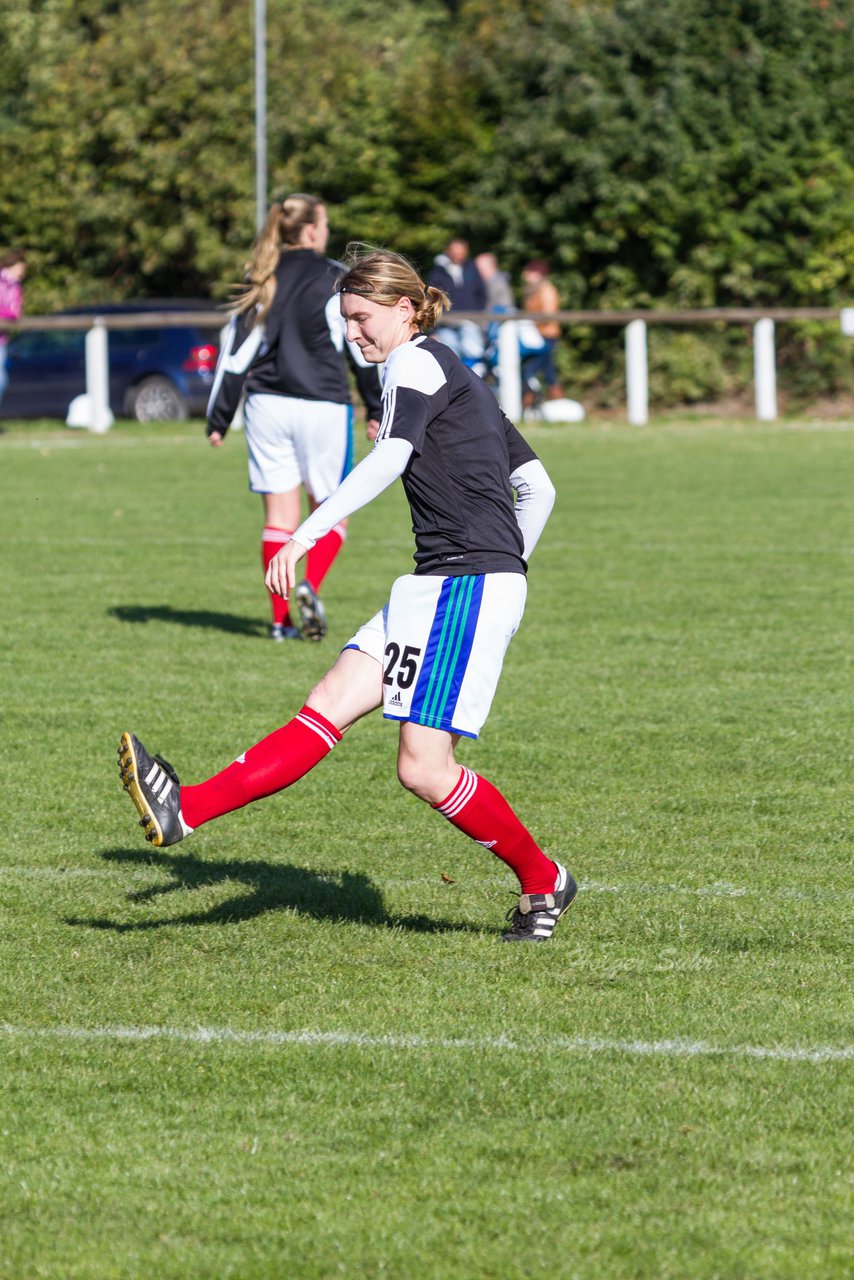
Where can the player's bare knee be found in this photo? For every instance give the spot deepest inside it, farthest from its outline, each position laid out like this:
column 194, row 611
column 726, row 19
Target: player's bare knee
column 420, row 777
column 352, row 688
column 326, row 698
column 413, row 777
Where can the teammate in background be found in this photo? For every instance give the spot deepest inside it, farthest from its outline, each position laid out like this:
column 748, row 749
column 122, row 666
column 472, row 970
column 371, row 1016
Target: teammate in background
column 286, row 349
column 432, row 657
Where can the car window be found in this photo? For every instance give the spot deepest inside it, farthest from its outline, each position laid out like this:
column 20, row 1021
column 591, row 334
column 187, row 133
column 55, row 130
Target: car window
column 131, row 339
column 47, row 344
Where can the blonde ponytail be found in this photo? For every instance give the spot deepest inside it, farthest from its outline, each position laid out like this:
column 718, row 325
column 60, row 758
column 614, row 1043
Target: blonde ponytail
column 435, row 302
column 280, row 232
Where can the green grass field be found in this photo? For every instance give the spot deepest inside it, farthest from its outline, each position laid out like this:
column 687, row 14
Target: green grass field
column 289, row 1047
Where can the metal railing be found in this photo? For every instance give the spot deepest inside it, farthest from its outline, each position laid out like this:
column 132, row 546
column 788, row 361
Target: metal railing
column 98, row 414
column 634, row 322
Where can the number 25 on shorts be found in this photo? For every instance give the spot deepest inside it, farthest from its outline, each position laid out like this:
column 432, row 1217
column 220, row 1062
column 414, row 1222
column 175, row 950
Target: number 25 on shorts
column 405, row 663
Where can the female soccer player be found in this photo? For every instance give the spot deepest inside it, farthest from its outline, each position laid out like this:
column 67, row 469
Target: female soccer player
column 286, row 349
column 432, row 657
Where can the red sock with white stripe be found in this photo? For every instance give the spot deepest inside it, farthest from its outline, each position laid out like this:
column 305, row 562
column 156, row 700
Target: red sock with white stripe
column 479, row 809
column 272, row 540
column 278, row 760
column 322, row 555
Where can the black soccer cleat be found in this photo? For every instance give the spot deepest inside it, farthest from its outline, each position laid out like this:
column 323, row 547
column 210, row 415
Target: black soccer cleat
column 153, row 786
column 537, row 914
column 311, row 611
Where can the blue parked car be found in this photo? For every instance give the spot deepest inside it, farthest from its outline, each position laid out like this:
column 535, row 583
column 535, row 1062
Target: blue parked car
column 156, row 373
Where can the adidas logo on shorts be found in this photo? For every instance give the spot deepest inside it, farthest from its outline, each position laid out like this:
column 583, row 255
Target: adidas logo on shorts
column 396, row 701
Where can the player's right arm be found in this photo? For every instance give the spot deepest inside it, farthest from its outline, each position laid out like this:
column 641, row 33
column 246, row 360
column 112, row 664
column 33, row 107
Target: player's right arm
column 387, row 460
column 243, row 342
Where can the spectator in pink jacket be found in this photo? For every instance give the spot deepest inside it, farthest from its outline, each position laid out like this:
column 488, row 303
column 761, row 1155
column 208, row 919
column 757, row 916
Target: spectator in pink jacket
column 13, row 268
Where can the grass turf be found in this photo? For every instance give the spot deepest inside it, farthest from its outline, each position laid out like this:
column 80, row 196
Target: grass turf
column 290, row 1046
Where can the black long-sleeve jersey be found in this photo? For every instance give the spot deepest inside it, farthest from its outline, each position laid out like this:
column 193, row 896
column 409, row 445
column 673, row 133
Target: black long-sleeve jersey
column 299, row 351
column 464, row 450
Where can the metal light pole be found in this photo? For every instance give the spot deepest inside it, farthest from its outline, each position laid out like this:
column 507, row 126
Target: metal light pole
column 260, row 113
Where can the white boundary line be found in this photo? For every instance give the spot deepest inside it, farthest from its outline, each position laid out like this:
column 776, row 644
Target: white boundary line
column 85, row 440
column 77, row 438
column 676, row 1048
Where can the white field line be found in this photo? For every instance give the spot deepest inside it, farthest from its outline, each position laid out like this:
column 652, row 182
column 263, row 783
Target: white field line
column 86, row 440
column 48, row 540
column 78, row 438
column 717, row 889
column 676, row 1048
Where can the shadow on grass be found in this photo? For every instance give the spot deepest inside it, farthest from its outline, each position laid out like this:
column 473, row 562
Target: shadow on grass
column 189, row 618
column 273, row 886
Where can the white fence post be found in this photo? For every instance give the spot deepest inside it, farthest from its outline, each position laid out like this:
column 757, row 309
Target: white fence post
column 98, row 377
column 764, row 370
column 509, row 370
column 637, row 380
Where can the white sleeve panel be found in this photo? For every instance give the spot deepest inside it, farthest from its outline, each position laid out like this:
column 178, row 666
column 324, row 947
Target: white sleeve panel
column 335, row 321
column 236, row 361
column 386, row 461
column 240, row 360
column 410, row 378
column 411, row 366
column 535, row 497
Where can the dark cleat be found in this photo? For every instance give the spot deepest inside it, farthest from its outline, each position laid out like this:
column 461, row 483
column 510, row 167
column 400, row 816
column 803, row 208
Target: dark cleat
column 311, row 611
column 537, row 914
column 280, row 631
column 154, row 787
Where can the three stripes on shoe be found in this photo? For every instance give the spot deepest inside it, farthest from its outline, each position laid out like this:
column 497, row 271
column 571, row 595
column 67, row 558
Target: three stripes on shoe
column 159, row 781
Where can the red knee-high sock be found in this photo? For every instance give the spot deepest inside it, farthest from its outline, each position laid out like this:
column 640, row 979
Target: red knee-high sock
column 480, row 810
column 272, row 540
column 273, row 763
column 322, row 555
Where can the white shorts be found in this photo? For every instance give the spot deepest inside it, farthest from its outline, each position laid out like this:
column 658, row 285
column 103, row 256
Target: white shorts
column 441, row 642
column 297, row 442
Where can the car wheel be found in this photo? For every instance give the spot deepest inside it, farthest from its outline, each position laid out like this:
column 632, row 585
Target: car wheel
column 156, row 400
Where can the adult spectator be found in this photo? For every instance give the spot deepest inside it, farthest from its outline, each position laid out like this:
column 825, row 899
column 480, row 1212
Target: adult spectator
column 538, row 367
column 286, row 350
column 456, row 275
column 499, row 299
column 499, row 291
column 13, row 268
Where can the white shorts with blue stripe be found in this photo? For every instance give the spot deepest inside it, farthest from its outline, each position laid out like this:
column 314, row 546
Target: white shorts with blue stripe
column 294, row 442
column 441, row 642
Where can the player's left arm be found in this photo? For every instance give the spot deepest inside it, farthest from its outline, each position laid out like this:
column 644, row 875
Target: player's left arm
column 535, row 497
column 535, row 493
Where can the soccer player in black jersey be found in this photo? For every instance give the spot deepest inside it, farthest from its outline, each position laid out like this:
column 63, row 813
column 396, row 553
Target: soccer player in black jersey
column 286, row 350
column 432, row 657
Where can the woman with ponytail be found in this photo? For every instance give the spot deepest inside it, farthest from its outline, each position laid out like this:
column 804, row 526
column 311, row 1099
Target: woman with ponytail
column 285, row 351
column 432, row 657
